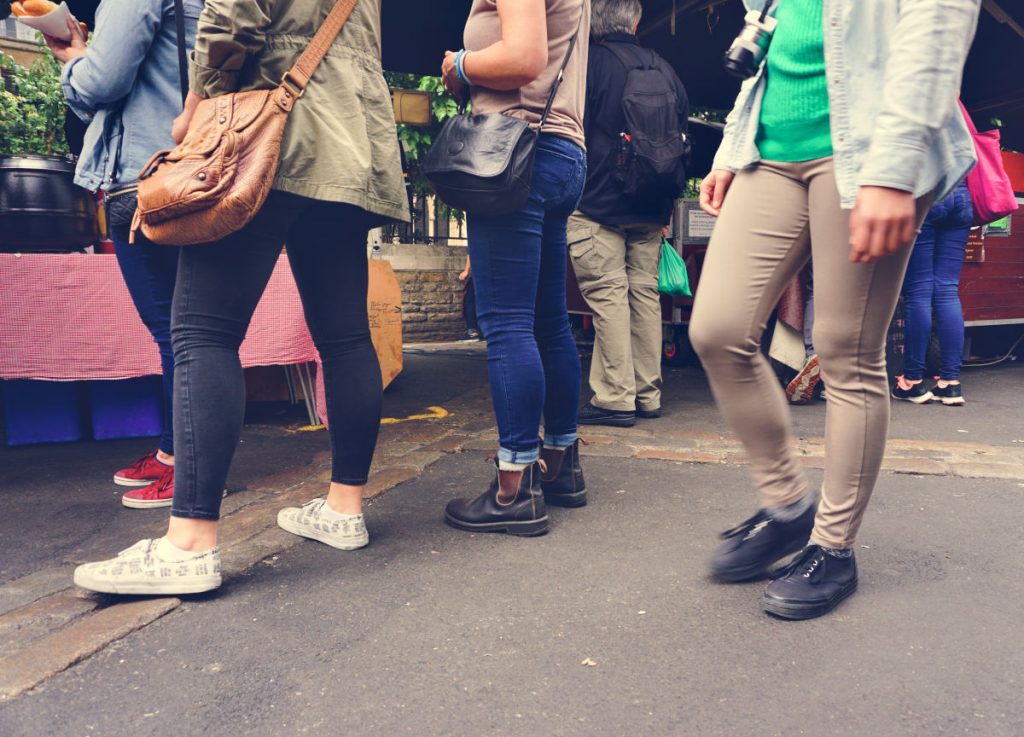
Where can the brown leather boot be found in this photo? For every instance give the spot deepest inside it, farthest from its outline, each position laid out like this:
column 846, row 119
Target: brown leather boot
column 513, row 504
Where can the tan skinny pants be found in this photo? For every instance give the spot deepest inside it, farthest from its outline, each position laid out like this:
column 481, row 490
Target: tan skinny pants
column 775, row 217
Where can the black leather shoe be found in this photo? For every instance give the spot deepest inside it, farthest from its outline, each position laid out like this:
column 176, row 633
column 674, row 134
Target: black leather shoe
column 812, row 585
column 751, row 548
column 591, row 415
column 648, row 414
column 524, row 515
column 562, row 479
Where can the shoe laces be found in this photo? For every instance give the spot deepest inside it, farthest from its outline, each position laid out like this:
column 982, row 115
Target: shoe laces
column 806, row 562
column 159, row 486
column 137, row 466
column 749, row 528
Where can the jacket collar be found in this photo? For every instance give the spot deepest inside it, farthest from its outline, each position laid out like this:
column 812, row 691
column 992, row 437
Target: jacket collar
column 619, row 37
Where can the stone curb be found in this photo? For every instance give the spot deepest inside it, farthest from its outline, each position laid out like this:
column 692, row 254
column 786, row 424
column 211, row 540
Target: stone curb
column 25, row 669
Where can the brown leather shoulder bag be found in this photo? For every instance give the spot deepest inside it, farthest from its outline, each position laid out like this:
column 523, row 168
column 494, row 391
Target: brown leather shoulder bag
column 216, row 180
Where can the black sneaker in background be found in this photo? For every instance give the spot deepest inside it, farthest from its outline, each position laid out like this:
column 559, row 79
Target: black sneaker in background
column 916, row 394
column 812, row 585
column 754, row 546
column 951, row 396
column 591, row 415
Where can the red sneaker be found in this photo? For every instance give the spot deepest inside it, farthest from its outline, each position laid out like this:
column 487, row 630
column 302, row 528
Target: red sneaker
column 801, row 389
column 143, row 472
column 160, row 493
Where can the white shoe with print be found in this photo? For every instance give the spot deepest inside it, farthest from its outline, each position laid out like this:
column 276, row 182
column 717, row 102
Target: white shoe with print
column 146, row 569
column 318, row 522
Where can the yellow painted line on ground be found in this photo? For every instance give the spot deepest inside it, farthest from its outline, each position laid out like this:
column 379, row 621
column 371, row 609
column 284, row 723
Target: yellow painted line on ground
column 435, row 413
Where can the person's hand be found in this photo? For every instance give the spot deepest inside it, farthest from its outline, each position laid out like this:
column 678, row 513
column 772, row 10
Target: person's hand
column 450, row 77
column 882, row 222
column 464, row 274
column 713, row 189
column 180, row 125
column 65, row 51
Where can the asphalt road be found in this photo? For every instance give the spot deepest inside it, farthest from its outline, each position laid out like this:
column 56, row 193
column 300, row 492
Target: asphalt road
column 607, row 626
column 60, row 505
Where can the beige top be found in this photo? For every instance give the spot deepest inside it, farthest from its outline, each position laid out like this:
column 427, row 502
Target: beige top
column 566, row 119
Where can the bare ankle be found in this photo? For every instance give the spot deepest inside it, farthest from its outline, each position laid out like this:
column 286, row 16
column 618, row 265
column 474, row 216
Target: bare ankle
column 193, row 535
column 345, row 498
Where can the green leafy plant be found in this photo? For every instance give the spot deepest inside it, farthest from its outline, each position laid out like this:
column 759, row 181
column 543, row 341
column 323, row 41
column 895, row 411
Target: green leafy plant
column 416, row 139
column 31, row 107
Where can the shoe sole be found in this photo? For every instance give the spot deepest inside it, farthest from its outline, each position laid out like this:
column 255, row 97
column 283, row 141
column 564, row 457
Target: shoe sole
column 295, row 529
column 788, row 609
column 751, row 572
column 570, row 501
column 923, row 399
column 955, row 402
column 148, row 588
column 532, row 528
column 123, row 481
column 145, row 503
column 801, row 388
column 610, row 422
column 648, row 415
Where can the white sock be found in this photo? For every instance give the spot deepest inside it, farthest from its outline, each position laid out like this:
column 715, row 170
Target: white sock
column 171, row 553
column 509, row 466
column 162, row 461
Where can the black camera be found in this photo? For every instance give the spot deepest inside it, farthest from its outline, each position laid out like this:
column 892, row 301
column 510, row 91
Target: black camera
column 744, row 57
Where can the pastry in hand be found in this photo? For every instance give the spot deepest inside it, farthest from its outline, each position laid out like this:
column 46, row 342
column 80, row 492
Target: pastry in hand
column 38, row 7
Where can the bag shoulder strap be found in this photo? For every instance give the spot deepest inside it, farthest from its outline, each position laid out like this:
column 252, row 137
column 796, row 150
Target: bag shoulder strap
column 179, row 24
column 561, row 70
column 302, row 71
column 622, row 56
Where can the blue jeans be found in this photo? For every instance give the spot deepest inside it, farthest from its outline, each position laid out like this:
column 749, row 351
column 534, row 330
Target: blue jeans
column 519, row 266
column 149, row 270
column 932, row 284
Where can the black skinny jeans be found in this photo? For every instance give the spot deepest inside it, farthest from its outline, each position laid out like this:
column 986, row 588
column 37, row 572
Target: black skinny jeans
column 218, row 287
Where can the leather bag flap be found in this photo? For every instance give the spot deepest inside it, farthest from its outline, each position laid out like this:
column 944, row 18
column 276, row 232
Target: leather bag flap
column 482, row 145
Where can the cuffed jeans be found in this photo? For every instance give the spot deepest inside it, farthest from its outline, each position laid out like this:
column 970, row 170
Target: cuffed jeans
column 775, row 217
column 149, row 271
column 519, row 268
column 219, row 286
column 933, row 284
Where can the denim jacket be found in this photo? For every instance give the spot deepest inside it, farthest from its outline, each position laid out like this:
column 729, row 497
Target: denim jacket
column 894, row 69
column 126, row 87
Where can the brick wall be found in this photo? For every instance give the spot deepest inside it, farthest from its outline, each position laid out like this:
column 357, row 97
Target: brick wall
column 431, row 290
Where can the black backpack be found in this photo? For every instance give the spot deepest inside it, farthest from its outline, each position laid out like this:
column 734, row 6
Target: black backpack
column 653, row 149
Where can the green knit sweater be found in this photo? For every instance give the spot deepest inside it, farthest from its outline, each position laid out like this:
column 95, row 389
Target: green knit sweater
column 794, row 122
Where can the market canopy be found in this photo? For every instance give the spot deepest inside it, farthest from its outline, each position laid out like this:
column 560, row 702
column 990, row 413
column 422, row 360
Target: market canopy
column 694, row 34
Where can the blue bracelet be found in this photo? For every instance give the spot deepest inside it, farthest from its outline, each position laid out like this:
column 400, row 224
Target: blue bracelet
column 459, row 70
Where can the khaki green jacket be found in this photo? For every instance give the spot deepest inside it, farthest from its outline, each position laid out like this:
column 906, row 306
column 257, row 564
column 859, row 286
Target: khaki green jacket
column 340, row 144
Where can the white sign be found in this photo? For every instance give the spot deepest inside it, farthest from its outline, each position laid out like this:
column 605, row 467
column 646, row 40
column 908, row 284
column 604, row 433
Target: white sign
column 699, row 224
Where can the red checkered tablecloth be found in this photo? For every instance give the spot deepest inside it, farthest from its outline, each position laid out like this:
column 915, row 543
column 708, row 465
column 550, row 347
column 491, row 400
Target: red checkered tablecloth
column 69, row 317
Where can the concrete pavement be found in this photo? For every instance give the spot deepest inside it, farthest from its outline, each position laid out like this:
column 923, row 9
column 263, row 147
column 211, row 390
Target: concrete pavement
column 431, row 631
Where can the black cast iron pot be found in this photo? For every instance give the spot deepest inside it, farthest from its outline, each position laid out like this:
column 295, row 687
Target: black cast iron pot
column 41, row 209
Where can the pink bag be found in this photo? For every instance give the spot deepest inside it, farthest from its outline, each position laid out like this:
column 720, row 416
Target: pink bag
column 991, row 192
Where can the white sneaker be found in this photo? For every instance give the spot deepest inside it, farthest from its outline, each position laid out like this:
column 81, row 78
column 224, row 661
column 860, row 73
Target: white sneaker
column 141, row 569
column 344, row 532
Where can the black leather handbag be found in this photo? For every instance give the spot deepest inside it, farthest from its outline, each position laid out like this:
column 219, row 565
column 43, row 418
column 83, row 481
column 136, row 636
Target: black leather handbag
column 483, row 164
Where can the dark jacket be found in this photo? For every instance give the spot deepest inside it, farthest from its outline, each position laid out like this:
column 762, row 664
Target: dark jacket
column 603, row 200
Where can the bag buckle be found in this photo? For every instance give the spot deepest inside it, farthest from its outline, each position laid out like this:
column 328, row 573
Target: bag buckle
column 291, row 85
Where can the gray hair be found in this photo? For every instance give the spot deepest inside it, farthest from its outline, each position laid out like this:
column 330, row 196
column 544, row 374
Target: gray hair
column 614, row 16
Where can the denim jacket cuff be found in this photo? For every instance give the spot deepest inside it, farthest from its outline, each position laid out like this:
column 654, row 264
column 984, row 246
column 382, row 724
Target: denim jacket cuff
column 71, row 97
column 208, row 82
column 893, row 161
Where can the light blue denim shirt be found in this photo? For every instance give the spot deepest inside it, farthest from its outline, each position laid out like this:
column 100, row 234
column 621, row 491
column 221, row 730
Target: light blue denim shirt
column 894, row 69
column 126, row 86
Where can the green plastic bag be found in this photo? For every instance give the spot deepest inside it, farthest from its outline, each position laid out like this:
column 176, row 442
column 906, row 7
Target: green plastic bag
column 672, row 278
